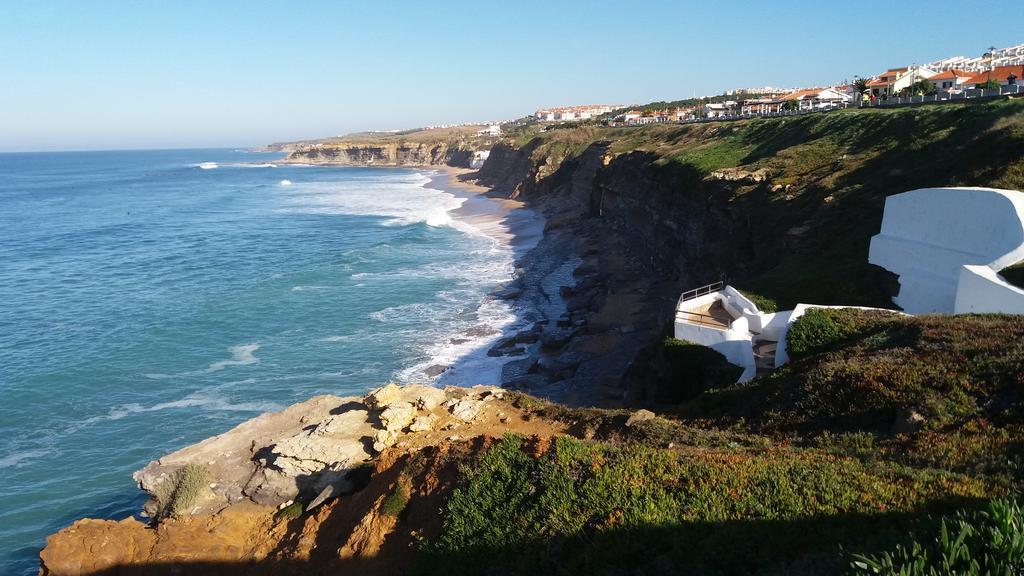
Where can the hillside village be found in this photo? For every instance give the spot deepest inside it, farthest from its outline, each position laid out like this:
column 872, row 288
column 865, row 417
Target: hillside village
column 997, row 71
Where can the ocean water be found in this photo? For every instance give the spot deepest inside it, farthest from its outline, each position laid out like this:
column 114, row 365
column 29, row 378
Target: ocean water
column 151, row 299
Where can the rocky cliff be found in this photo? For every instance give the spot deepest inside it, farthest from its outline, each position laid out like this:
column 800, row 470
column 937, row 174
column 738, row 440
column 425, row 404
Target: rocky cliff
column 429, row 147
column 389, row 154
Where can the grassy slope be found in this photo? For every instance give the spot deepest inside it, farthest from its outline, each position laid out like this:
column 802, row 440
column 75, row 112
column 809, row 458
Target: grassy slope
column 788, row 474
column 838, row 167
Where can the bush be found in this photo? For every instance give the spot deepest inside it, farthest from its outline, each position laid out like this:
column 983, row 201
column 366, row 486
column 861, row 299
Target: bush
column 821, row 329
column 691, row 369
column 763, row 303
column 989, row 542
column 396, row 500
column 175, row 495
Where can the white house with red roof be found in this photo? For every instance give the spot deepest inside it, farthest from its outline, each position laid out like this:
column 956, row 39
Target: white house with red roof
column 1002, row 75
column 952, row 79
column 811, row 98
column 894, row 80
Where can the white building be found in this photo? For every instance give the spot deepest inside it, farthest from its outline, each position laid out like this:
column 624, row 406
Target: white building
column 811, row 98
column 566, row 113
column 492, row 130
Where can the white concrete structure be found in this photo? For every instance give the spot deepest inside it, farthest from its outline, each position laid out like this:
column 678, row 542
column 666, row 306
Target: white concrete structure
column 479, row 157
column 723, row 319
column 947, row 245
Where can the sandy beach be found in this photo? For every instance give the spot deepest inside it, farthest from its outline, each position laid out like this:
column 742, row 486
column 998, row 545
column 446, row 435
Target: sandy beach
column 510, row 221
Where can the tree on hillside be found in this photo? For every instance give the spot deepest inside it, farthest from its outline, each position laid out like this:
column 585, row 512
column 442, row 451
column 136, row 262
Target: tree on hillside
column 919, row 88
column 989, row 85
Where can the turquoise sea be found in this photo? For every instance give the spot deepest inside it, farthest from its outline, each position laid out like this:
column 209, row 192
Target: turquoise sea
column 151, row 299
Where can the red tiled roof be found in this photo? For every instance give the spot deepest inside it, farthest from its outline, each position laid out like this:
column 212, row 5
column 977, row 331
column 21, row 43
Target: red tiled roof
column 878, row 82
column 952, row 74
column 799, row 94
column 998, row 74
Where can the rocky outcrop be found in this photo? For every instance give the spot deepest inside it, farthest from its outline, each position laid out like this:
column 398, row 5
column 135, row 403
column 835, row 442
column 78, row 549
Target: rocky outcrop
column 283, row 483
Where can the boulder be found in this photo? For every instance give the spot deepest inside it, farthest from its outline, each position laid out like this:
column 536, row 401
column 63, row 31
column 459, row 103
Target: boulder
column 383, row 439
column 423, row 423
column 907, row 421
column 639, row 416
column 467, row 409
column 423, row 397
column 242, row 461
column 397, row 415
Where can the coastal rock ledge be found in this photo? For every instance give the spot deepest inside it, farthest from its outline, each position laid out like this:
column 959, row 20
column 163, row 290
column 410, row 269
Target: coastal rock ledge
column 266, row 496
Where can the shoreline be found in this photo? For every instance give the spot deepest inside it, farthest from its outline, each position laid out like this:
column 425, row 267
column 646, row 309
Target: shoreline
column 516, row 227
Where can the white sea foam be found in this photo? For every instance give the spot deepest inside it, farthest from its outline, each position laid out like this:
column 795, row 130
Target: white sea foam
column 401, row 199
column 308, row 288
column 240, row 356
column 207, row 165
column 286, row 182
column 16, row 458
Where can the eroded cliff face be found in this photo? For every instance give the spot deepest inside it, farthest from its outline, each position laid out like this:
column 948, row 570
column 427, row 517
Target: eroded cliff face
column 644, row 232
column 383, row 154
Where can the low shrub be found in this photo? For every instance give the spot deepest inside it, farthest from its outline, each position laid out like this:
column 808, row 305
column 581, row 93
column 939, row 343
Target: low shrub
column 986, row 542
column 691, row 369
column 396, row 500
column 822, row 329
column 290, row 512
column 763, row 303
column 175, row 495
column 590, row 508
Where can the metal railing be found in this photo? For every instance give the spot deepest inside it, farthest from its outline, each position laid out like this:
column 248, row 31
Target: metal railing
column 702, row 291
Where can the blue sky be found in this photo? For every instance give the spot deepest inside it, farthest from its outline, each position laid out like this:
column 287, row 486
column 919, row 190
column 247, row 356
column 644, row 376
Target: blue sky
column 148, row 74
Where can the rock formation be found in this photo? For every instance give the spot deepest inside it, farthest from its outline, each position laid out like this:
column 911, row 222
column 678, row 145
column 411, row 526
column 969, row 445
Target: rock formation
column 315, row 456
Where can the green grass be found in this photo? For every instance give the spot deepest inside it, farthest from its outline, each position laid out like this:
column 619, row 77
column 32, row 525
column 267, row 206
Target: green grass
column 591, row 508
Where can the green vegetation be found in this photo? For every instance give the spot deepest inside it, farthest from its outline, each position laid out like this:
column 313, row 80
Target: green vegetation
column 821, row 329
column 959, row 377
column 590, row 508
column 973, row 543
column 763, row 303
column 290, row 512
column 692, row 369
column 396, row 500
column 796, row 472
column 175, row 495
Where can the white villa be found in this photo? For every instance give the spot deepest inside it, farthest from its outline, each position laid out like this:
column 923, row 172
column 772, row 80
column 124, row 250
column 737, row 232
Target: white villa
column 946, row 244
column 894, row 80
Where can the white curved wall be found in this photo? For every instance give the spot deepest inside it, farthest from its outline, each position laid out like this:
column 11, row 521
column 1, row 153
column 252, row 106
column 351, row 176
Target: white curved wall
column 928, row 235
column 983, row 290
